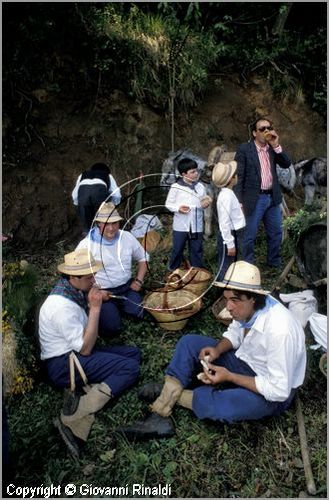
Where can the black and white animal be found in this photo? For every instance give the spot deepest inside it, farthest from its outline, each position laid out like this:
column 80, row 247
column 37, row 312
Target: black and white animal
column 311, row 174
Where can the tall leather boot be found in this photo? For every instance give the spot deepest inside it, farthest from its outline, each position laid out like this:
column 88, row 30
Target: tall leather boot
column 80, row 421
column 170, row 394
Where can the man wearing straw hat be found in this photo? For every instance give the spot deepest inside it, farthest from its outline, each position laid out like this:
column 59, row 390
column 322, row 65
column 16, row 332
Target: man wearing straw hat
column 68, row 330
column 251, row 373
column 117, row 250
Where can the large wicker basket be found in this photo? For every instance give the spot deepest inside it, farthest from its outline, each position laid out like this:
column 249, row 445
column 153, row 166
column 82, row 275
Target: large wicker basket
column 193, row 279
column 172, row 308
column 220, row 312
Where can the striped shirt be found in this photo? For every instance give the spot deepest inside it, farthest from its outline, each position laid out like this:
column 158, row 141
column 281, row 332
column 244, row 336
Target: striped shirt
column 265, row 165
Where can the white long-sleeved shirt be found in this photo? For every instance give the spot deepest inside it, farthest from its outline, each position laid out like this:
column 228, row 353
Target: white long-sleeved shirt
column 179, row 195
column 114, row 190
column 275, row 349
column 230, row 215
column 117, row 259
column 61, row 326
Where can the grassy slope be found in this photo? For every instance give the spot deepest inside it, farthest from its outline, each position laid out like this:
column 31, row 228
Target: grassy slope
column 204, row 459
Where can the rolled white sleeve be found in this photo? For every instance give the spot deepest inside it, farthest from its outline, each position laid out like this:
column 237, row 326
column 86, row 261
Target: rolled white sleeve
column 114, row 191
column 224, row 220
column 75, row 191
column 171, row 202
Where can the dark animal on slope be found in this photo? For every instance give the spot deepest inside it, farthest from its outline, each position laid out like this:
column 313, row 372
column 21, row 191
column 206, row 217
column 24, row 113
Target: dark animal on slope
column 311, row 174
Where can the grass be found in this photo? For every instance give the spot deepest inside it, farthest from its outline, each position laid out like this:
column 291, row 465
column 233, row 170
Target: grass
column 204, row 459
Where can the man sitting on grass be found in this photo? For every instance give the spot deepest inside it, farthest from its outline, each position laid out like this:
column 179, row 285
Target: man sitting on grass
column 68, row 330
column 251, row 373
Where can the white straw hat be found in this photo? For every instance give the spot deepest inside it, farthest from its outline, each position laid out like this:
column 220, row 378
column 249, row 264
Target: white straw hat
column 79, row 263
column 242, row 276
column 107, row 213
column 223, row 172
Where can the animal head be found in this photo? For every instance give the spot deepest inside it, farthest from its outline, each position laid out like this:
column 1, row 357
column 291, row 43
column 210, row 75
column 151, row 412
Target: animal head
column 169, row 167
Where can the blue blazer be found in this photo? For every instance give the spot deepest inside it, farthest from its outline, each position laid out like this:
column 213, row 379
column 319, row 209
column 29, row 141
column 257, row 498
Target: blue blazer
column 249, row 175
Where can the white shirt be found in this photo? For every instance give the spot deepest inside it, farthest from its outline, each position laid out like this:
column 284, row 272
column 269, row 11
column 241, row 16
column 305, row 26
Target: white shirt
column 114, row 190
column 117, row 259
column 61, row 326
column 179, row 195
column 275, row 349
column 230, row 215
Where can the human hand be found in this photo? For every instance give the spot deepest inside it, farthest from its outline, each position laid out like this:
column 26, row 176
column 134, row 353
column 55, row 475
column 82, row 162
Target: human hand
column 184, row 209
column 206, row 201
column 210, row 353
column 95, row 297
column 135, row 286
column 214, row 375
column 231, row 252
column 272, row 138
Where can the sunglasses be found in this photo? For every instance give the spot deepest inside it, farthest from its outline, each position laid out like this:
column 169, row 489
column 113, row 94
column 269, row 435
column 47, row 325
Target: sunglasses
column 262, row 129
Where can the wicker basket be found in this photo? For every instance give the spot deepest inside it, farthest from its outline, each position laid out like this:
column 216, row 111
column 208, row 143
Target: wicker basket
column 220, row 312
column 172, row 308
column 150, row 241
column 193, row 279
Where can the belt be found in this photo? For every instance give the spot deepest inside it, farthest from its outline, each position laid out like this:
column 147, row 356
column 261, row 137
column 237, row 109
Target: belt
column 266, row 191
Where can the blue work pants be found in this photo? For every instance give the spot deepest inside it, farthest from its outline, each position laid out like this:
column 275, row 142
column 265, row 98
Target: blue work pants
column 195, row 249
column 227, row 405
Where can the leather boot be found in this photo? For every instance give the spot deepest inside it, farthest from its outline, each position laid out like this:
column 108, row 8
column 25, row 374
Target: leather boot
column 150, row 391
column 81, row 420
column 154, row 426
column 170, row 393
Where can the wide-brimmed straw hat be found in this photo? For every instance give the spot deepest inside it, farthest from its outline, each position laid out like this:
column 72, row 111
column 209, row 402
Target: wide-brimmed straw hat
column 223, row 172
column 79, row 263
column 107, row 213
column 244, row 277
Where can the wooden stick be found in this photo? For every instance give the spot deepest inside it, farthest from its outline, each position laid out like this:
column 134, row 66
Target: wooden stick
column 284, row 274
column 304, row 448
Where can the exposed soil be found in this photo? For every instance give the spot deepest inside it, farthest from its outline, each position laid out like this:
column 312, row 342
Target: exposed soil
column 66, row 135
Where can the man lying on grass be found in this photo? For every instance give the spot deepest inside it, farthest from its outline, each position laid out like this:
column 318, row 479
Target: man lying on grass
column 68, row 330
column 251, row 373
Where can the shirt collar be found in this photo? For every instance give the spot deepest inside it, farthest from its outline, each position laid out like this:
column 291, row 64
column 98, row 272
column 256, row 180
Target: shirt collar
column 262, row 148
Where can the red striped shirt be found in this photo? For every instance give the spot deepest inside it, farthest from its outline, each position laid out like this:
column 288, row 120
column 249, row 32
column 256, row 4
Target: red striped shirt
column 265, row 166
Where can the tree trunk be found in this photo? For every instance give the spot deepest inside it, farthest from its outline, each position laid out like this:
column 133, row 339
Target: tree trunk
column 281, row 19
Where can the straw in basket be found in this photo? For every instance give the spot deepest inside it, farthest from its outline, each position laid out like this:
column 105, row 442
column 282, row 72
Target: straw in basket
column 172, row 308
column 194, row 279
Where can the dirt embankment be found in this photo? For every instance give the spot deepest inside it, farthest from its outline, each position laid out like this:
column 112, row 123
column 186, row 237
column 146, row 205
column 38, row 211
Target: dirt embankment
column 69, row 134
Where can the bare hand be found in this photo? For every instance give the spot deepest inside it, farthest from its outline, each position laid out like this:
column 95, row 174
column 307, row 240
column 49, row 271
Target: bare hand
column 272, row 138
column 231, row 252
column 209, row 351
column 95, row 297
column 184, row 209
column 216, row 375
column 135, row 286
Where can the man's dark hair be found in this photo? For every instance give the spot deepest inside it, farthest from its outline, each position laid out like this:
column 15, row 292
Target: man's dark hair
column 102, row 167
column 260, row 300
column 185, row 165
column 262, row 118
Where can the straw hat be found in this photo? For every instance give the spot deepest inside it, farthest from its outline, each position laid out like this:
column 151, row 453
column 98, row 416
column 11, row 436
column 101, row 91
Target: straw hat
column 107, row 213
column 242, row 276
column 223, row 173
column 79, row 263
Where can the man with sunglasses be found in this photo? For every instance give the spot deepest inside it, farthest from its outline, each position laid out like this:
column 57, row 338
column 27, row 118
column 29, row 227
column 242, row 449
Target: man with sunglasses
column 258, row 189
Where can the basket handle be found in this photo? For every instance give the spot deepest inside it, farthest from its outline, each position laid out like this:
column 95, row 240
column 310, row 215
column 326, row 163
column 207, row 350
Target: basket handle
column 165, row 304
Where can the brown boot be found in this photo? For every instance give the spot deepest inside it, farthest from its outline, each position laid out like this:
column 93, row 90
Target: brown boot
column 80, row 421
column 170, row 393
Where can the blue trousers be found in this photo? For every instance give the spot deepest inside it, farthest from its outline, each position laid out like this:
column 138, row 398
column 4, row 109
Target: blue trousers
column 227, row 405
column 117, row 366
column 224, row 260
column 195, row 248
column 271, row 216
column 110, row 322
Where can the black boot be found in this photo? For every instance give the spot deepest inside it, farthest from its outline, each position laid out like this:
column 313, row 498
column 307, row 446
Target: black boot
column 72, row 442
column 154, row 426
column 149, row 392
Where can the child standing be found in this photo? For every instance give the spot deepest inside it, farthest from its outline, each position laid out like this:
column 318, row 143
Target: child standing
column 187, row 199
column 231, row 220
